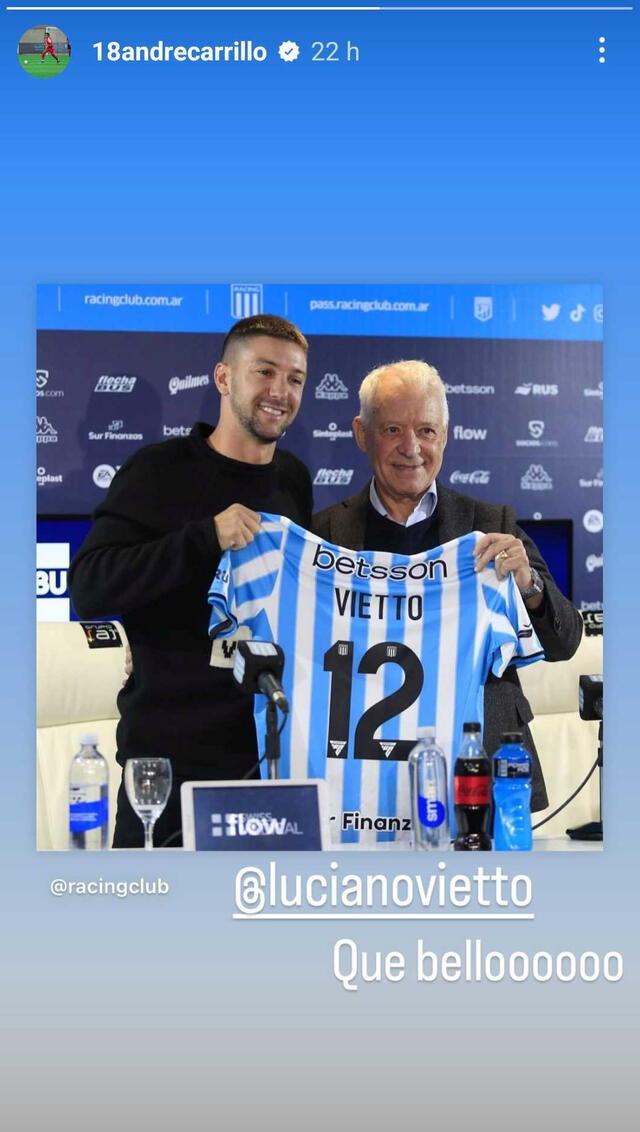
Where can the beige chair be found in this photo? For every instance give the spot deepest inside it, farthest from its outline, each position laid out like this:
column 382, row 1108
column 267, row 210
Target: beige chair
column 76, row 692
column 567, row 744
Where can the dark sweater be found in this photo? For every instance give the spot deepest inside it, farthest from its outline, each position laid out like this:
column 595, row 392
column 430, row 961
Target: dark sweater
column 149, row 559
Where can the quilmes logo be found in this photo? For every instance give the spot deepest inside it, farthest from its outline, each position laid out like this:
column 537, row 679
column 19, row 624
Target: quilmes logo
column 191, row 381
column 346, row 564
column 592, row 521
column 593, row 562
column 483, row 308
column 532, row 388
column 42, row 379
column 252, row 825
column 333, row 477
column 45, row 432
column 593, row 435
column 332, row 388
column 594, row 392
column 103, row 474
column 551, row 312
column 473, row 390
column 332, row 432
column 597, row 481
column 117, row 383
column 536, row 479
column 479, row 475
column 246, row 299
column 462, row 433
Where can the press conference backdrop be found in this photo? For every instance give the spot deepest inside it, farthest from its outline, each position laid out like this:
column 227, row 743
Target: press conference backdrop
column 123, row 366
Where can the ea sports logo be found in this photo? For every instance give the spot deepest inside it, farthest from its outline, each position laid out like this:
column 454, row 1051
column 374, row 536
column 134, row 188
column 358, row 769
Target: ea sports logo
column 102, row 475
column 592, row 522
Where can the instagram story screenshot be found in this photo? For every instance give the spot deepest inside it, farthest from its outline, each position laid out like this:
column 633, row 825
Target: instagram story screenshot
column 319, row 383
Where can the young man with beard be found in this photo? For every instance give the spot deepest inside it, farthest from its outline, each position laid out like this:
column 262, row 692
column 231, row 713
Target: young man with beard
column 171, row 510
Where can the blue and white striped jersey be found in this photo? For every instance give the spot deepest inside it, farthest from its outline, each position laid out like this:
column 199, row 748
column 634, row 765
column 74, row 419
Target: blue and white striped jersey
column 376, row 646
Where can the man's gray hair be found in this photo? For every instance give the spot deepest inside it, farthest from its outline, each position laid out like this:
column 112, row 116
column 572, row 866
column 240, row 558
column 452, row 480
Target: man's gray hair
column 424, row 377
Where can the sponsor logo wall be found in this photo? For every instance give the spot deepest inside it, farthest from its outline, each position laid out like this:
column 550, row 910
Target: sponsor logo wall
column 526, row 411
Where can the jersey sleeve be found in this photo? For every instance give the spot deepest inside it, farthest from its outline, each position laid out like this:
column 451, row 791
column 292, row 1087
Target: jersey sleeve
column 513, row 640
column 245, row 583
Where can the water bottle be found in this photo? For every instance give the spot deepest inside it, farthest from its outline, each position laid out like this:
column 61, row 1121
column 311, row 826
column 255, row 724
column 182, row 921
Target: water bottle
column 472, row 792
column 512, row 794
column 88, row 796
column 429, row 804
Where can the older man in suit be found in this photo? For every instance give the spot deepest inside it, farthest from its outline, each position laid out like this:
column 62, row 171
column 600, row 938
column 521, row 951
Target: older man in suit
column 402, row 427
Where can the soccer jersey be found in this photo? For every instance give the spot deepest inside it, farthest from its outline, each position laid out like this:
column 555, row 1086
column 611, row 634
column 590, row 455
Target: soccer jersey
column 376, row 646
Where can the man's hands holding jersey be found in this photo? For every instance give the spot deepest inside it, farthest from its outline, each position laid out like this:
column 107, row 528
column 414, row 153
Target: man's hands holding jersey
column 236, row 527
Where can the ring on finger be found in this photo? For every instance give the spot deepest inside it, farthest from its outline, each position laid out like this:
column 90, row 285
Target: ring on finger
column 502, row 555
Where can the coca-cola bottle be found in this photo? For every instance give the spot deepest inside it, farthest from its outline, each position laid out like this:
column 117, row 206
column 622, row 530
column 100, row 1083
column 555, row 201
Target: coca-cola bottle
column 472, row 792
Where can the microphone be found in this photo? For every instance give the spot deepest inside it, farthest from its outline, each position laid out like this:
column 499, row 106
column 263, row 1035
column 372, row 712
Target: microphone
column 258, row 667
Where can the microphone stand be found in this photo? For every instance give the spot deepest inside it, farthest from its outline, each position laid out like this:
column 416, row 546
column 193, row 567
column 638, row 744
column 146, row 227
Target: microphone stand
column 272, row 741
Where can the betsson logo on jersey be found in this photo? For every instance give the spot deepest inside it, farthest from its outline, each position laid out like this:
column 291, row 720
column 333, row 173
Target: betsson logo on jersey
column 480, row 475
column 191, row 381
column 332, row 388
column 325, row 559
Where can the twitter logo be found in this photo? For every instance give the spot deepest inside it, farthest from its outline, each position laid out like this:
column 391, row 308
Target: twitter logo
column 550, row 312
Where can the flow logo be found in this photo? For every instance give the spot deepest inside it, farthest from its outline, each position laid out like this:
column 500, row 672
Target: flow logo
column 252, row 825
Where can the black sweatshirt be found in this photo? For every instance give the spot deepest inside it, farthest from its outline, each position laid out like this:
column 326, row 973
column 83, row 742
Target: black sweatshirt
column 149, row 559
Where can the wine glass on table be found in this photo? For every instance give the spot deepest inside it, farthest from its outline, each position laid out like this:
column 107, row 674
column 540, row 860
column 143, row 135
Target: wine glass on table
column 148, row 786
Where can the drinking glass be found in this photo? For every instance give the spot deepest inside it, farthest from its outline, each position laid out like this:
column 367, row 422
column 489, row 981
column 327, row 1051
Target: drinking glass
column 148, row 785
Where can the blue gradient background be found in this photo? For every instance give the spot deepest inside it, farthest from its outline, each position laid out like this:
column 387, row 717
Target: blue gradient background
column 464, row 147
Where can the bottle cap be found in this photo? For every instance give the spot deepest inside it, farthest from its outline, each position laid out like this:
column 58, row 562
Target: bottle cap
column 471, row 728
column 511, row 737
column 89, row 739
column 426, row 733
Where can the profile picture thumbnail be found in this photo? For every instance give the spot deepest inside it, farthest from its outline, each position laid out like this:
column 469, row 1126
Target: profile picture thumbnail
column 44, row 51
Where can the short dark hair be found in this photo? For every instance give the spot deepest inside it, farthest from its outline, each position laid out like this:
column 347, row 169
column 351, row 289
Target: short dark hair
column 270, row 325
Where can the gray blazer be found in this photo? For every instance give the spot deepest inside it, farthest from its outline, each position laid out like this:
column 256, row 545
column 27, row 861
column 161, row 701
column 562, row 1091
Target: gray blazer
column 558, row 625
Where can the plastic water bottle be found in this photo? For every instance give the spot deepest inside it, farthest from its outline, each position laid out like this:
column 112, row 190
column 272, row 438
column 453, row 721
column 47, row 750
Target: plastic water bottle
column 88, row 796
column 512, row 794
column 429, row 802
column 472, row 792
